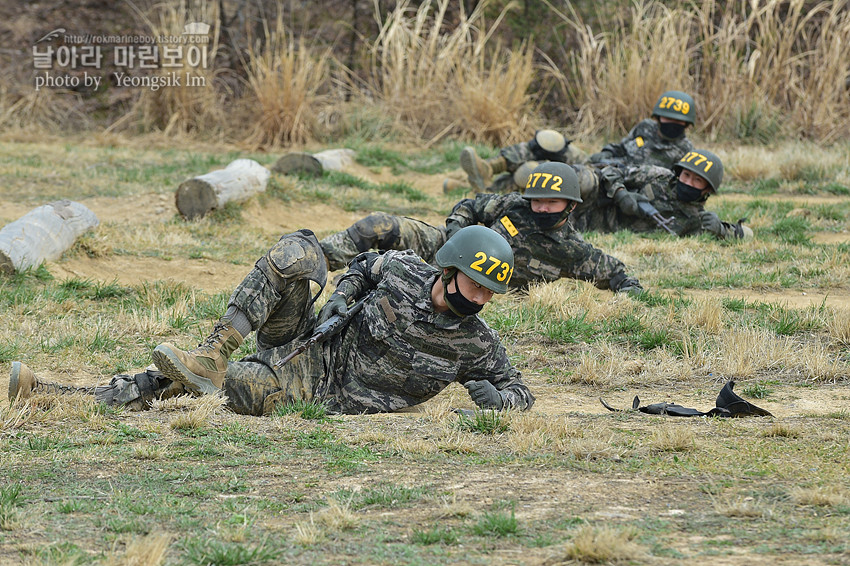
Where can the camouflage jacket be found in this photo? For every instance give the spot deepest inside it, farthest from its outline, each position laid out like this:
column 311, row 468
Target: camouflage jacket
column 644, row 146
column 398, row 352
column 517, row 154
column 539, row 255
column 658, row 184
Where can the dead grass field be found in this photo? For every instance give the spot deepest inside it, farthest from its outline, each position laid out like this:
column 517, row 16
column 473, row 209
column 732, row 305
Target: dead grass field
column 567, row 482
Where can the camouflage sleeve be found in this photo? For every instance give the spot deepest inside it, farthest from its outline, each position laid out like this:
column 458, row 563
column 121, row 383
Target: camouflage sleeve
column 588, row 263
column 517, row 154
column 649, row 180
column 611, row 179
column 362, row 276
column 495, row 367
column 469, row 212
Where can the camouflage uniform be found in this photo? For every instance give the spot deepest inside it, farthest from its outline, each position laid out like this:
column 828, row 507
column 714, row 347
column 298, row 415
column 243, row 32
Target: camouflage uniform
column 644, row 146
column 395, row 353
column 517, row 154
column 658, row 184
column 538, row 255
column 382, row 231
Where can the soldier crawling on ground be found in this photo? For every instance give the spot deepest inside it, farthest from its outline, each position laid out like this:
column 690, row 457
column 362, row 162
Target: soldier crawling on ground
column 649, row 198
column 659, row 140
column 414, row 334
column 545, row 245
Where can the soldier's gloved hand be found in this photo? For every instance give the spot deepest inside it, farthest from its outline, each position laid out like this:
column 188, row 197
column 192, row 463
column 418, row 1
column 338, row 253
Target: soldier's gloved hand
column 711, row 223
column 630, row 286
column 337, row 304
column 600, row 157
column 629, row 201
column 485, row 394
column 742, row 232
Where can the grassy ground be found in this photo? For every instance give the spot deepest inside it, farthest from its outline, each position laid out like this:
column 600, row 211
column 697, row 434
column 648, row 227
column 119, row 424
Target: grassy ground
column 568, row 482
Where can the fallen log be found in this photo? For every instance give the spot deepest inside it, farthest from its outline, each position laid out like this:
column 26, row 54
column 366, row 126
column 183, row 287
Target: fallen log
column 238, row 181
column 314, row 164
column 43, row 234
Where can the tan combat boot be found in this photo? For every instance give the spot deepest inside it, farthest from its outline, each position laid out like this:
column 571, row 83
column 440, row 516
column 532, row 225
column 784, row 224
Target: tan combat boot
column 200, row 370
column 451, row 185
column 479, row 171
column 23, row 383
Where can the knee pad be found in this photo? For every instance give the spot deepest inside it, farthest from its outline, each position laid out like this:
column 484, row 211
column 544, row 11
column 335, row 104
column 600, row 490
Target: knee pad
column 295, row 256
column 378, row 230
column 549, row 145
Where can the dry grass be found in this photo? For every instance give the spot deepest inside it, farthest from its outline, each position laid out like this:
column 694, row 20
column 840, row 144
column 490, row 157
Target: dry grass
column 781, row 430
column 433, row 83
column 615, row 76
column 672, row 437
column 308, row 534
column 745, row 352
column 43, row 110
column 148, row 550
column 820, row 496
column 838, row 326
column 760, row 67
column 284, row 79
column 604, row 545
column 338, row 516
column 183, row 109
column 200, row 410
column 758, row 70
column 706, row 314
column 743, row 507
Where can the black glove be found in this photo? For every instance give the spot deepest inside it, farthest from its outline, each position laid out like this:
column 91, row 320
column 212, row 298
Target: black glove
column 742, row 232
column 711, row 223
column 600, row 157
column 337, row 304
column 485, row 394
column 628, row 201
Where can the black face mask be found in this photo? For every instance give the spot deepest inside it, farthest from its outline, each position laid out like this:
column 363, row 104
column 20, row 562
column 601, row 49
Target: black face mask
column 671, row 130
column 687, row 193
column 458, row 304
column 547, row 220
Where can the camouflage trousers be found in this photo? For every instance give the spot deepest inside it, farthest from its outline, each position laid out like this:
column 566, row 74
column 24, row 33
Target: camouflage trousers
column 382, row 231
column 277, row 298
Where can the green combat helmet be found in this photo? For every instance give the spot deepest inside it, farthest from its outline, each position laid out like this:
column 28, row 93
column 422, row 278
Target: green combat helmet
column 676, row 105
column 705, row 164
column 553, row 180
column 481, row 254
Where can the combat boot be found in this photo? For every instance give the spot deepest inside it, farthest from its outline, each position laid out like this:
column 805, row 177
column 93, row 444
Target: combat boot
column 479, row 171
column 200, row 370
column 451, row 185
column 23, row 384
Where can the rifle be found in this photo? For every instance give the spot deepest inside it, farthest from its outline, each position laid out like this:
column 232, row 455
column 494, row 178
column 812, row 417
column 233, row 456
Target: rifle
column 652, row 212
column 327, row 329
column 645, row 207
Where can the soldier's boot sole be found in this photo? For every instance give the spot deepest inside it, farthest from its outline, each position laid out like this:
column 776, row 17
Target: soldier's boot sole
column 171, row 367
column 469, row 163
column 14, row 381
